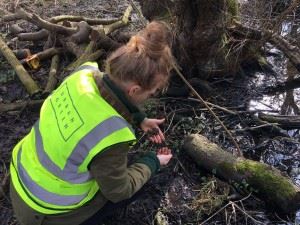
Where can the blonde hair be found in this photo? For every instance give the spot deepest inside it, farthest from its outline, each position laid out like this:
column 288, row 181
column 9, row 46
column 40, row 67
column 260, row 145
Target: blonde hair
column 146, row 55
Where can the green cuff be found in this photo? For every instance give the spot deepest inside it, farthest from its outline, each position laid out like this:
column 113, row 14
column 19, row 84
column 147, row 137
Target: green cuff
column 151, row 160
column 138, row 117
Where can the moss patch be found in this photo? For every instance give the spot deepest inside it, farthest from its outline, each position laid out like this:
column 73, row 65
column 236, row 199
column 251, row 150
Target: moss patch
column 271, row 185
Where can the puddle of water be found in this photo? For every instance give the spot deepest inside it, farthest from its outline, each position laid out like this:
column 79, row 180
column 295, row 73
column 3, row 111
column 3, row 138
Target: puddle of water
column 284, row 155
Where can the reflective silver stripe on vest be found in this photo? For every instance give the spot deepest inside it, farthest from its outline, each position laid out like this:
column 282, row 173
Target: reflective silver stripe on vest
column 70, row 171
column 43, row 194
column 84, row 67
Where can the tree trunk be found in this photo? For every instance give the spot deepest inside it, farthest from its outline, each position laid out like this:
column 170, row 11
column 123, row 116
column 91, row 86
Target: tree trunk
column 276, row 190
column 201, row 42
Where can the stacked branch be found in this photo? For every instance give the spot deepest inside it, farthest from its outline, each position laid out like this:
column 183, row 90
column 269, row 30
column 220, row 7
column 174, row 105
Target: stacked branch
column 85, row 38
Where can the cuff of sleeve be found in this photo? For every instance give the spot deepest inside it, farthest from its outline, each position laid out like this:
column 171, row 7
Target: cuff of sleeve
column 150, row 159
column 138, row 117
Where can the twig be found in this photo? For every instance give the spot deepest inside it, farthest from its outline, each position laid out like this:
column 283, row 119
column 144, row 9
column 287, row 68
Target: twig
column 209, row 218
column 216, row 106
column 210, row 110
column 165, row 131
column 293, row 6
column 257, row 127
column 246, row 214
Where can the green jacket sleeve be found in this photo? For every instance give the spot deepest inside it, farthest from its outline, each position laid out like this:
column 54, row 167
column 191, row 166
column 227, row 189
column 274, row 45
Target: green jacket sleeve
column 116, row 180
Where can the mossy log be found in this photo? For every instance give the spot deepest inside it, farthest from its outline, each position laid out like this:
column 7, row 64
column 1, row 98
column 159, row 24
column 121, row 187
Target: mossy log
column 276, row 190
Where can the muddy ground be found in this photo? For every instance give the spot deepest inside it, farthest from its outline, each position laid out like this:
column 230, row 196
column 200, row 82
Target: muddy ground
column 177, row 192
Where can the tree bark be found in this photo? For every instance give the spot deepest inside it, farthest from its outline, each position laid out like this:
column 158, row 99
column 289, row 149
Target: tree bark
column 35, row 36
column 276, row 190
column 201, row 45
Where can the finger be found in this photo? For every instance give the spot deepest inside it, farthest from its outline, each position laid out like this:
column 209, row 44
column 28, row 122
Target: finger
column 166, row 152
column 161, row 135
column 160, row 121
column 158, row 138
column 151, row 139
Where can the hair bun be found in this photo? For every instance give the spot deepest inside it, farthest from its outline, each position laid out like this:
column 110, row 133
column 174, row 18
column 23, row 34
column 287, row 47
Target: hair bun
column 144, row 57
column 157, row 32
column 152, row 41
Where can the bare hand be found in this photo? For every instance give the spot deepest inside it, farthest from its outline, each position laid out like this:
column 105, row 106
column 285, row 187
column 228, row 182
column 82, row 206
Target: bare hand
column 164, row 155
column 151, row 126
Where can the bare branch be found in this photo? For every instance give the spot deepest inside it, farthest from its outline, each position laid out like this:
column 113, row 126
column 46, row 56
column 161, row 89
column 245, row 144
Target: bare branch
column 35, row 36
column 36, row 20
column 90, row 21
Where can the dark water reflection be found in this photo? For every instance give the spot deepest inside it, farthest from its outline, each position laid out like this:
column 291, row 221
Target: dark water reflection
column 283, row 153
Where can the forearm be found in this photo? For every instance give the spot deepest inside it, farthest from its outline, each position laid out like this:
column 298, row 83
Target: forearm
column 117, row 181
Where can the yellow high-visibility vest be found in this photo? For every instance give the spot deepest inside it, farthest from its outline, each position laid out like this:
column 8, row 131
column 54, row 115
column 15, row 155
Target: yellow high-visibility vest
column 49, row 167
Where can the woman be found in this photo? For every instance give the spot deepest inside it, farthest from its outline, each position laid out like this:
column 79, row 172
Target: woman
column 72, row 166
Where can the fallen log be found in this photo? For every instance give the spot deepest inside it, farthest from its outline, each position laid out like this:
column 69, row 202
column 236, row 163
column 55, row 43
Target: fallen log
column 284, row 121
column 277, row 191
column 23, row 75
